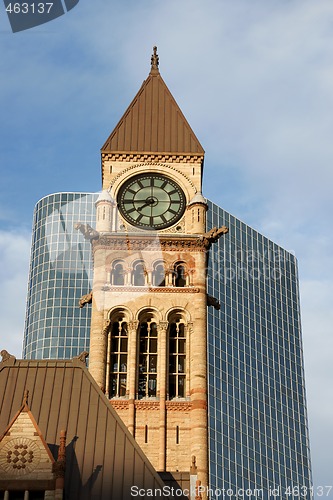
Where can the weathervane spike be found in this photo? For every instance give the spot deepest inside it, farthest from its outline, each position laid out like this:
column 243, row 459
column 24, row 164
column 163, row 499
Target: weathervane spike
column 154, row 61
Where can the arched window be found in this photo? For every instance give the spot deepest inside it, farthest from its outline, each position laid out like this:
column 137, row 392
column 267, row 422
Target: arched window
column 118, row 361
column 159, row 274
column 147, row 359
column 180, row 274
column 177, row 360
column 139, row 274
column 117, row 274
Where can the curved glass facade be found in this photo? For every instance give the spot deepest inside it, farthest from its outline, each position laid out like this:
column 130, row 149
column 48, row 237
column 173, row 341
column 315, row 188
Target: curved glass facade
column 60, row 273
column 258, row 433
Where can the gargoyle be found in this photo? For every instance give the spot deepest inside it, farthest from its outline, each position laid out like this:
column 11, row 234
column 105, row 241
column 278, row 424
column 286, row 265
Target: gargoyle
column 85, row 299
column 88, row 232
column 213, row 235
column 211, row 301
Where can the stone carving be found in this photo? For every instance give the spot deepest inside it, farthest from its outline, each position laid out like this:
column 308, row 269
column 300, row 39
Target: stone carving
column 19, row 456
column 88, row 232
column 211, row 301
column 85, row 299
column 213, row 235
column 82, row 356
column 6, row 356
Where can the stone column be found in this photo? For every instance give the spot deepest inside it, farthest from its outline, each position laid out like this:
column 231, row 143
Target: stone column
column 162, row 374
column 99, row 326
column 108, row 363
column 131, row 373
column 127, row 276
column 98, row 347
column 198, row 370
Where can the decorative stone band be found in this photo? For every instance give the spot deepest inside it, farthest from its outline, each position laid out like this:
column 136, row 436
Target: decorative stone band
column 153, row 157
column 133, row 243
column 123, row 404
column 178, row 405
column 146, row 289
column 120, row 404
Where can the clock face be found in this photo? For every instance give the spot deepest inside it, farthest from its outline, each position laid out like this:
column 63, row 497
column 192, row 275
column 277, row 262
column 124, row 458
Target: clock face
column 151, row 201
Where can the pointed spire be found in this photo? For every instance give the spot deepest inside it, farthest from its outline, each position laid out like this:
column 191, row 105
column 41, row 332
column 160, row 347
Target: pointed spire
column 153, row 123
column 154, row 62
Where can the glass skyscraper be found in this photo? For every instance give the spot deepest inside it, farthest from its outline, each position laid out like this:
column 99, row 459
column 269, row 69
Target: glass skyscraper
column 257, row 423
column 258, row 435
column 60, row 273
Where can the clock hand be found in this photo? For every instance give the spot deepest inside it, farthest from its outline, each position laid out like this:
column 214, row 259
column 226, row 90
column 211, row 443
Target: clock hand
column 149, row 201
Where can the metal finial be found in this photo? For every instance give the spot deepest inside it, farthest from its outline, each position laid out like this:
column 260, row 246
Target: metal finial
column 154, row 61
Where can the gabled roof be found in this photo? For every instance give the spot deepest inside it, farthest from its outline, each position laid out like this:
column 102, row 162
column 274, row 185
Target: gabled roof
column 102, row 458
column 24, row 452
column 153, row 122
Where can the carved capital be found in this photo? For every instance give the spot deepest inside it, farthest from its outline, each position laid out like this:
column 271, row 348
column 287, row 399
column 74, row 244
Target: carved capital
column 189, row 327
column 106, row 327
column 133, row 326
column 163, row 326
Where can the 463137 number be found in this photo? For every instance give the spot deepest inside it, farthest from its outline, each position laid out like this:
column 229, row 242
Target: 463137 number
column 29, row 8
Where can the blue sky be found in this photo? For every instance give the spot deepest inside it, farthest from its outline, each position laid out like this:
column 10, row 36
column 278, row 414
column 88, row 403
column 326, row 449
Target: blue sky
column 255, row 81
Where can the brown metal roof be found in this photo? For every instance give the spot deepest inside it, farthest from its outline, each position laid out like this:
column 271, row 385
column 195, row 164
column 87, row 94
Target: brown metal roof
column 153, row 123
column 103, row 460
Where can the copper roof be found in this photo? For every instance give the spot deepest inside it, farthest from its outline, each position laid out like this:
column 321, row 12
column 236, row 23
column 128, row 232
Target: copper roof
column 103, row 460
column 153, row 122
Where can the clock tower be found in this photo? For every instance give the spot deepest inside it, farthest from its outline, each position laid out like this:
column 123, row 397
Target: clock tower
column 148, row 347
